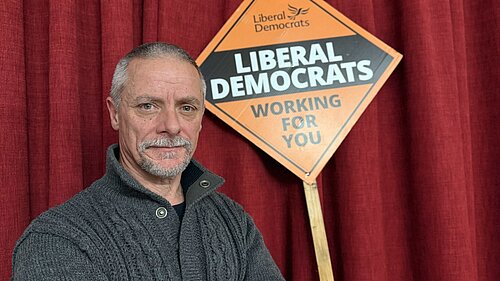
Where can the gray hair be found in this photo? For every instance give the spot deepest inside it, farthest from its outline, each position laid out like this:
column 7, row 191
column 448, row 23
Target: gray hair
column 148, row 50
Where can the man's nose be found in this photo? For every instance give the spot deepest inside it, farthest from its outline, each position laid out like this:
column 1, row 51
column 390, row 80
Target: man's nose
column 168, row 123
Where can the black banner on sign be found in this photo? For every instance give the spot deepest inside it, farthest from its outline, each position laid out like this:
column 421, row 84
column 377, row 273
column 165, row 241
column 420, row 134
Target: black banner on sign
column 292, row 68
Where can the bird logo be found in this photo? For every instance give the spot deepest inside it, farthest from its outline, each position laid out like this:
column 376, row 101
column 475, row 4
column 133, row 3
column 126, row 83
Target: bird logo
column 296, row 11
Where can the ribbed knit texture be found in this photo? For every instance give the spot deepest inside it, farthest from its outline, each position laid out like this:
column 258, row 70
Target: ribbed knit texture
column 111, row 231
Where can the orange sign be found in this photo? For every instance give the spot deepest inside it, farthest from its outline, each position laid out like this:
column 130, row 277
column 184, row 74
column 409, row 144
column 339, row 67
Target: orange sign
column 293, row 77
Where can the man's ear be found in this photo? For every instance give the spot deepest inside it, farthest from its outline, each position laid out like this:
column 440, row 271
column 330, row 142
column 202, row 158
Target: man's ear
column 113, row 114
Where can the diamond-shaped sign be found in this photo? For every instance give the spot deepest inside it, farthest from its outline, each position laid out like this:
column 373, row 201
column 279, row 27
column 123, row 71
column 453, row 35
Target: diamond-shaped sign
column 293, row 77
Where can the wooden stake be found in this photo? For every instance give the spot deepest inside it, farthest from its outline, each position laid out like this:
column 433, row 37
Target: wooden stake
column 318, row 232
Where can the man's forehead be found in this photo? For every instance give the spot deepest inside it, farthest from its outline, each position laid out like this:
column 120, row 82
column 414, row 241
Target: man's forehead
column 164, row 70
column 161, row 88
column 167, row 65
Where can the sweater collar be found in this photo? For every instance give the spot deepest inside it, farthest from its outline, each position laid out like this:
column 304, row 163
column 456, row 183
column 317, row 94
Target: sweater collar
column 196, row 180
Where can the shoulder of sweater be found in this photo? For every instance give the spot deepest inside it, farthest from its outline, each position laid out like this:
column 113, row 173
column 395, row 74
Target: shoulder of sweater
column 66, row 217
column 217, row 195
column 225, row 204
column 236, row 211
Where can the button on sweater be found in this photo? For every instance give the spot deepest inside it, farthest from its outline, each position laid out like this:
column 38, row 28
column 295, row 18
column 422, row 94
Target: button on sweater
column 118, row 230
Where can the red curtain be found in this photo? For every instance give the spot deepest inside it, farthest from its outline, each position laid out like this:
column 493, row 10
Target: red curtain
column 413, row 193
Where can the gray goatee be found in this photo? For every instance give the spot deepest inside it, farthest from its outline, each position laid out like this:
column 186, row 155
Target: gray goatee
column 154, row 169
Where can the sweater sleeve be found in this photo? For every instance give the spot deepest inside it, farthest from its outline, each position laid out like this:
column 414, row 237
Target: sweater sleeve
column 260, row 264
column 42, row 256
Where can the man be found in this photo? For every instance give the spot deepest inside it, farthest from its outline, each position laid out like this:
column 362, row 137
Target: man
column 155, row 214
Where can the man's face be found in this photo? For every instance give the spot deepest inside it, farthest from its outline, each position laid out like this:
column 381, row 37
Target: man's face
column 159, row 117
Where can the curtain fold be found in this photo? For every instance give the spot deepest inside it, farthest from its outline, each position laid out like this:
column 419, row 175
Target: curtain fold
column 482, row 44
column 64, row 102
column 410, row 195
column 15, row 195
column 36, row 52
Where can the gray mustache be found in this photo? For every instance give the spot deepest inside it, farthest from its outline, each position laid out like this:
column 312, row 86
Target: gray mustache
column 166, row 142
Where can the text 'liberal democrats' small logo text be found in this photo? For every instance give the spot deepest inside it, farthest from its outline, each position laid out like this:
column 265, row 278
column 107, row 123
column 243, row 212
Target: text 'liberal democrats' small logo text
column 281, row 20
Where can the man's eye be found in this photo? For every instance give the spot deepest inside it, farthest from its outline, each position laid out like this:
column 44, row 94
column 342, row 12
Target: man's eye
column 187, row 108
column 146, row 106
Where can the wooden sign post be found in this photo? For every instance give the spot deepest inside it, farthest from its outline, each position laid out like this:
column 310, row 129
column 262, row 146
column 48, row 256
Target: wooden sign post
column 318, row 232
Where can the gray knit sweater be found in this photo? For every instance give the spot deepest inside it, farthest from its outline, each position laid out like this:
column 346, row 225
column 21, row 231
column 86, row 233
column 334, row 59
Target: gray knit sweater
column 118, row 230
